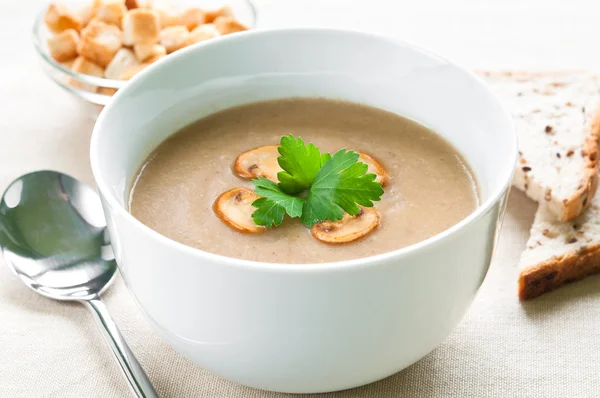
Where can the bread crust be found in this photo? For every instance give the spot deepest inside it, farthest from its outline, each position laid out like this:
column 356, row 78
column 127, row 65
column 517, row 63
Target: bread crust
column 573, row 206
column 582, row 198
column 558, row 271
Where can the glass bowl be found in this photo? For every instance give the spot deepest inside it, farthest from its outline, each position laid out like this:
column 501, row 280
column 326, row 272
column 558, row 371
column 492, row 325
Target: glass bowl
column 243, row 10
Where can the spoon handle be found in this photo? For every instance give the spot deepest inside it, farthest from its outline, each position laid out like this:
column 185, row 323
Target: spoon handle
column 139, row 382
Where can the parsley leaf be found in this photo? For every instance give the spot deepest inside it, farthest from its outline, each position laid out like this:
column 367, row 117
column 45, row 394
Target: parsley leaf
column 341, row 185
column 335, row 184
column 274, row 204
column 300, row 164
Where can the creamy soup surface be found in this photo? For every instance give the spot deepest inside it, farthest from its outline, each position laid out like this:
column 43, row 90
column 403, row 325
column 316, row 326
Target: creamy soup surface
column 429, row 189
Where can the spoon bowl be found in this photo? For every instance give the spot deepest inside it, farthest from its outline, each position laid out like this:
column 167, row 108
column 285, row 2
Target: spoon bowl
column 53, row 237
column 56, row 242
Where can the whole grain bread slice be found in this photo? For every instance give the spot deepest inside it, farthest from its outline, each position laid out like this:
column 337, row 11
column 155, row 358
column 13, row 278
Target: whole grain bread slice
column 559, row 252
column 558, row 127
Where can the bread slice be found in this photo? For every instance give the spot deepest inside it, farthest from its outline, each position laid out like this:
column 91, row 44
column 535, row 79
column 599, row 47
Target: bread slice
column 558, row 252
column 558, row 129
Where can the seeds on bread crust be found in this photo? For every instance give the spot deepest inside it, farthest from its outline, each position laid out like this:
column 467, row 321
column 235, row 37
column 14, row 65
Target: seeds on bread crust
column 348, row 229
column 553, row 133
column 566, row 252
column 259, row 162
column 235, row 209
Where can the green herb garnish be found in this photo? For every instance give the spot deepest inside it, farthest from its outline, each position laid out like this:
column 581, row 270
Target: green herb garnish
column 313, row 186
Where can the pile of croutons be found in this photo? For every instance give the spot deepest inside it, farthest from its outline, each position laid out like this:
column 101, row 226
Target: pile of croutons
column 116, row 39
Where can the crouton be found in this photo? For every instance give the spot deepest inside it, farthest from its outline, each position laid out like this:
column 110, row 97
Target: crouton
column 86, row 67
column 107, row 91
column 140, row 26
column 59, row 18
column 203, row 32
column 168, row 15
column 99, row 42
column 175, row 37
column 111, row 11
column 68, row 64
column 132, row 71
column 154, row 58
column 131, row 4
column 63, row 46
column 227, row 25
column 124, row 59
column 144, row 51
column 210, row 16
column 85, row 14
column 192, row 17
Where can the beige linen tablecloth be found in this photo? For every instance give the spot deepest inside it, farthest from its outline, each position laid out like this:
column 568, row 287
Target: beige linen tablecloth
column 549, row 347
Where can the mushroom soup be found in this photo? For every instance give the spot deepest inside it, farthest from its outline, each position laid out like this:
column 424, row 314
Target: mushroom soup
column 197, row 186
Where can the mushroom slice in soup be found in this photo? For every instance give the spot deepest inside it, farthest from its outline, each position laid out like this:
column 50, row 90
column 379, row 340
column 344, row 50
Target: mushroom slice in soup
column 374, row 167
column 348, row 229
column 259, row 162
column 235, row 209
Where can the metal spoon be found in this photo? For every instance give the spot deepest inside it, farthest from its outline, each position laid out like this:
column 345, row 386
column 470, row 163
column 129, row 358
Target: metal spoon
column 53, row 237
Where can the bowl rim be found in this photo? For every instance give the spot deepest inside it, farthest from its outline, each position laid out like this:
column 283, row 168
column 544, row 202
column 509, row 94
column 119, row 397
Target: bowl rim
column 346, row 265
column 38, row 25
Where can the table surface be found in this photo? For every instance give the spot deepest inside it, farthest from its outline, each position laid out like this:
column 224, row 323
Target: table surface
column 544, row 348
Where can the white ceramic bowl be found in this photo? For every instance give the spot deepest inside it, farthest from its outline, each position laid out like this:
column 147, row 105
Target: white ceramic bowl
column 310, row 327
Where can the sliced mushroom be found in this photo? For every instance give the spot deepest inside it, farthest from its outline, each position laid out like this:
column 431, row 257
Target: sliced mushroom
column 235, row 209
column 348, row 229
column 374, row 167
column 259, row 162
